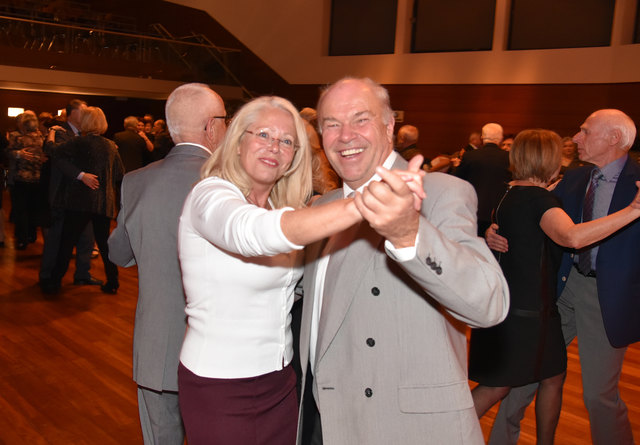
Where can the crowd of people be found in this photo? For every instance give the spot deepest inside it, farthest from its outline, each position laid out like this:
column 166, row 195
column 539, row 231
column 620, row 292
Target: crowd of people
column 57, row 169
column 235, row 221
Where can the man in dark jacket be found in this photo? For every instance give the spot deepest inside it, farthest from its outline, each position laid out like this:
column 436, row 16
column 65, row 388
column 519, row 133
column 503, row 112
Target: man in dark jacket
column 487, row 169
column 57, row 136
column 131, row 145
column 598, row 300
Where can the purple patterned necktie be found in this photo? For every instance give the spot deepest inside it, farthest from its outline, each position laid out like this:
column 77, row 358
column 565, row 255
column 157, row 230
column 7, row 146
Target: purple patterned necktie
column 584, row 257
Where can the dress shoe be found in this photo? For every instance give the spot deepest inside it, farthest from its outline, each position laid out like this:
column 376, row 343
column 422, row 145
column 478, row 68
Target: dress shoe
column 109, row 288
column 91, row 281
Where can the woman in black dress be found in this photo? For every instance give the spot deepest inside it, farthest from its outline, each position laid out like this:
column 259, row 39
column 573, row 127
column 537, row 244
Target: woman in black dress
column 528, row 345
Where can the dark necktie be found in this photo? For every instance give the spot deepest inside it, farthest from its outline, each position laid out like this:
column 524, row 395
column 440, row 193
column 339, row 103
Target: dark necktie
column 584, row 257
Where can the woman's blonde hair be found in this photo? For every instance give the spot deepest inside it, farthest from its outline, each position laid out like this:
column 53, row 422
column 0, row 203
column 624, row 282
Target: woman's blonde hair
column 93, row 121
column 535, row 154
column 295, row 187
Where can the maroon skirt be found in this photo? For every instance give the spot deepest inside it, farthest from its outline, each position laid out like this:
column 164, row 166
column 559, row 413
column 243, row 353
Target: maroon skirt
column 256, row 410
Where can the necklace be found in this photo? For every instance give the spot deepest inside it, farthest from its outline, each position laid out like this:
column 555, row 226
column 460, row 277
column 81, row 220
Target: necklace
column 252, row 201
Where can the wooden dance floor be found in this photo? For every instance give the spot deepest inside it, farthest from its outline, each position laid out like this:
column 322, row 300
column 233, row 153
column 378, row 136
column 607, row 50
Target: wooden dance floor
column 65, row 363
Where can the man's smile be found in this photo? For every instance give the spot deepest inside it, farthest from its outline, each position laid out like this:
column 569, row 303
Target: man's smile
column 350, row 152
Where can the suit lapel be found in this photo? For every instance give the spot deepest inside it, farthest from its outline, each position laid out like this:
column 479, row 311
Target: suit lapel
column 312, row 255
column 625, row 189
column 342, row 288
column 573, row 192
column 359, row 258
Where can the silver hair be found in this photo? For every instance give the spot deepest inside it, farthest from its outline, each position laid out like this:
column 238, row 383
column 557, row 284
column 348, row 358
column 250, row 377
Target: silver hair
column 618, row 120
column 378, row 90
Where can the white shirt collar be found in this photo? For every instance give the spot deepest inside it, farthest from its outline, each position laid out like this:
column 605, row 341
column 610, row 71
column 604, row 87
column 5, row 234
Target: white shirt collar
column 388, row 163
column 197, row 145
column 74, row 128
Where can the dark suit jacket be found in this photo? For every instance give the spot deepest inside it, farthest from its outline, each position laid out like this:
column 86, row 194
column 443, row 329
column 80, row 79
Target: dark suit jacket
column 99, row 156
column 487, row 169
column 57, row 168
column 162, row 144
column 132, row 149
column 618, row 260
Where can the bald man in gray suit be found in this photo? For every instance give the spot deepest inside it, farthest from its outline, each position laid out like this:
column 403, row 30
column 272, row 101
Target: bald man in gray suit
column 146, row 235
column 387, row 301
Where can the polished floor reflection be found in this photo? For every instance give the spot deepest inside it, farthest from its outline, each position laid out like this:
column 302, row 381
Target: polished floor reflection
column 65, row 363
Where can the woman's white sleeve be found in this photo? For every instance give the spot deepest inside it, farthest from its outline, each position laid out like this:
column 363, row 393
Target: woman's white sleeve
column 220, row 214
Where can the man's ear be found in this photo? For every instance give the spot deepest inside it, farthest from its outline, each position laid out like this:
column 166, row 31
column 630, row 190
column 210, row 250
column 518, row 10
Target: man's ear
column 210, row 131
column 390, row 126
column 614, row 137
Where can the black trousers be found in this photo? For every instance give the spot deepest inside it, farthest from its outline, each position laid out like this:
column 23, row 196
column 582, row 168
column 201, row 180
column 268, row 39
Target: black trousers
column 25, row 200
column 311, row 423
column 51, row 247
column 73, row 225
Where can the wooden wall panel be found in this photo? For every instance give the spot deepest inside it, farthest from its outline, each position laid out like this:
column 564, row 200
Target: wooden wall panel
column 444, row 114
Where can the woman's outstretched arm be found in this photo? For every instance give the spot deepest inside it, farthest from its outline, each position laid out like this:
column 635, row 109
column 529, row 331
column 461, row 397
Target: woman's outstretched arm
column 561, row 229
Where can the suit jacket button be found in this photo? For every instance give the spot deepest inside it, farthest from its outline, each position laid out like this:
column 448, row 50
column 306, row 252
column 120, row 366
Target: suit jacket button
column 368, row 392
column 371, row 342
column 375, row 291
column 429, row 261
column 439, row 270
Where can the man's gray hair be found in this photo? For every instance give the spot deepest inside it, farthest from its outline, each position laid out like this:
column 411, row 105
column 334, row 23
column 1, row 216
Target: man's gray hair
column 182, row 110
column 378, row 90
column 130, row 123
column 492, row 132
column 618, row 120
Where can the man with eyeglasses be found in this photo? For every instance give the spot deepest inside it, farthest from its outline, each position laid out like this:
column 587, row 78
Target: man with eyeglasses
column 146, row 235
column 382, row 343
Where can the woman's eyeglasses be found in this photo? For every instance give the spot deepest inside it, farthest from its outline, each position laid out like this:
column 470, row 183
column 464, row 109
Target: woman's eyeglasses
column 264, row 138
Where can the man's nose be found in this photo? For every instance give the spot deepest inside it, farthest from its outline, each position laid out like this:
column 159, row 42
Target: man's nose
column 346, row 133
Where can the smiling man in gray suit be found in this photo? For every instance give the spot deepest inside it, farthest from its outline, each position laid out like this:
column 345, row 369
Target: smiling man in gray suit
column 146, row 235
column 386, row 303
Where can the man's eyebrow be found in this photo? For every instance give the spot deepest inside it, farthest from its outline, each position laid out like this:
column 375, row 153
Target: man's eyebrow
column 355, row 115
column 325, row 119
column 360, row 113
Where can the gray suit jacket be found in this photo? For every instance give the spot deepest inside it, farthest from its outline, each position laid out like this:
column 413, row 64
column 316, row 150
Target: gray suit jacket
column 391, row 357
column 146, row 235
